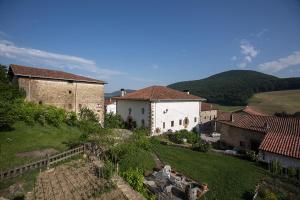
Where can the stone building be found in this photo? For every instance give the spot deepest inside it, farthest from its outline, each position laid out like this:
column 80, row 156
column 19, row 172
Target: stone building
column 208, row 114
column 64, row 90
column 274, row 138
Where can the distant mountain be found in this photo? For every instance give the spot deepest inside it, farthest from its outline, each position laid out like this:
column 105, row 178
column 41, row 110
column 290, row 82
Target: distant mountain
column 235, row 87
column 116, row 93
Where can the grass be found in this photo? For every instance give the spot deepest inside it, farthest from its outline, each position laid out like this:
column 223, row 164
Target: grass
column 227, row 177
column 277, row 101
column 140, row 159
column 228, row 108
column 28, row 138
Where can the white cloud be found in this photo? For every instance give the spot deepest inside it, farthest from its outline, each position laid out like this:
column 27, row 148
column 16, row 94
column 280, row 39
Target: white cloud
column 262, row 32
column 281, row 63
column 249, row 52
column 248, row 49
column 55, row 60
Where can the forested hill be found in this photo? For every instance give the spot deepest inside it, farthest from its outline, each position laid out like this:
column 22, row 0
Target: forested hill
column 235, row 87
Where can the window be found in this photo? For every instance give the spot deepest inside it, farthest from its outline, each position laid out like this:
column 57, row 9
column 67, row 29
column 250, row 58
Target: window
column 209, row 117
column 70, row 106
column 143, row 123
column 195, row 119
column 80, row 106
column 242, row 144
column 172, row 123
column 40, row 102
column 129, row 111
column 143, row 110
column 180, row 122
column 70, row 92
column 164, row 125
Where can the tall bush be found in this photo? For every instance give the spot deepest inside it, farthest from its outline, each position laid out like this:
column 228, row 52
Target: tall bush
column 113, row 121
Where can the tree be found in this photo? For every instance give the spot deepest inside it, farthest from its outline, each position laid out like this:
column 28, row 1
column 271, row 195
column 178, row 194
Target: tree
column 113, row 121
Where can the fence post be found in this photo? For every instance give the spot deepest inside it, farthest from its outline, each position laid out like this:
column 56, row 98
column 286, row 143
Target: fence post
column 48, row 161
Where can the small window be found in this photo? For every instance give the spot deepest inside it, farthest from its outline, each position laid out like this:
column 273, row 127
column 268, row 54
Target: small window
column 70, row 92
column 242, row 144
column 195, row 119
column 40, row 102
column 180, row 122
column 143, row 110
column 80, row 106
column 143, row 122
column 70, row 106
column 129, row 111
column 209, row 117
column 164, row 125
column 172, row 123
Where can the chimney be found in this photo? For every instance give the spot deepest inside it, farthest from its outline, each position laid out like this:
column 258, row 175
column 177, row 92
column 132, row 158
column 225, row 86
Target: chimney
column 186, row 91
column 122, row 92
column 231, row 117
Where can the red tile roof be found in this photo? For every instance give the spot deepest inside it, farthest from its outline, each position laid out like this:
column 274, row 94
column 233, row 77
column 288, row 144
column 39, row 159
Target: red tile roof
column 158, row 93
column 282, row 135
column 24, row 71
column 250, row 110
column 207, row 107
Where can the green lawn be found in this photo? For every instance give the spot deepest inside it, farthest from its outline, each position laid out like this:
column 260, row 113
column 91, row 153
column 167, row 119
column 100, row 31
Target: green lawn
column 228, row 178
column 28, row 138
column 277, row 101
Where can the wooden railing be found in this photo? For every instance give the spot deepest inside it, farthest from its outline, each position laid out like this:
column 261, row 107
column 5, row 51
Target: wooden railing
column 45, row 162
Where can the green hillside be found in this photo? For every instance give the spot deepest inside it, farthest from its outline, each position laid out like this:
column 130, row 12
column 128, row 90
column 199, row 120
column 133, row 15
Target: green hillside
column 277, row 101
column 235, row 87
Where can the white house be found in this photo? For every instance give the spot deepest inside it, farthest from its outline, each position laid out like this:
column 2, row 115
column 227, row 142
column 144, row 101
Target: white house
column 161, row 109
column 110, row 106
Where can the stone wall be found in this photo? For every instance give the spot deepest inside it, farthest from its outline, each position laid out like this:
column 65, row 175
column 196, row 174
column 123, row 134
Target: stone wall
column 70, row 96
column 238, row 137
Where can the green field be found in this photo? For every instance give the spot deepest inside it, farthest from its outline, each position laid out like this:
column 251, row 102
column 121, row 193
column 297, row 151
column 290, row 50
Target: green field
column 228, row 108
column 26, row 138
column 228, row 178
column 277, row 101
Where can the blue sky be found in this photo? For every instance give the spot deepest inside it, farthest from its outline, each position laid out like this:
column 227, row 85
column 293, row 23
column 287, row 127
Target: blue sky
column 133, row 44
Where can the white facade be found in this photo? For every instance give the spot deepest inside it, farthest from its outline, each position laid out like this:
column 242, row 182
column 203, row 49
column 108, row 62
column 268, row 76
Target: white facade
column 111, row 108
column 285, row 161
column 161, row 116
column 138, row 110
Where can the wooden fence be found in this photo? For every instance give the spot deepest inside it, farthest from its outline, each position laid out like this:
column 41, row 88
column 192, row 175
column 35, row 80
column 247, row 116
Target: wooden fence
column 48, row 161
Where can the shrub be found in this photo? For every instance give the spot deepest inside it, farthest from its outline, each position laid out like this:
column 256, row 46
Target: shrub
column 202, row 146
column 276, row 167
column 71, row 118
column 178, row 137
column 113, row 121
column 266, row 194
column 135, row 179
column 251, row 155
column 89, row 127
column 108, row 170
column 86, row 114
column 292, row 172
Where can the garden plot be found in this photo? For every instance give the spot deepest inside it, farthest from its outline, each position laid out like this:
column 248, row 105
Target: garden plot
column 75, row 180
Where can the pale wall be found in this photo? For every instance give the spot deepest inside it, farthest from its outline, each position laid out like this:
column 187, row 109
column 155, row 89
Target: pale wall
column 284, row 160
column 136, row 111
column 111, row 108
column 207, row 116
column 56, row 93
column 176, row 110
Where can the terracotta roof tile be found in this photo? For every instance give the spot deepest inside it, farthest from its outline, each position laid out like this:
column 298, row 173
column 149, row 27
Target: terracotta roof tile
column 282, row 136
column 24, row 71
column 158, row 93
column 250, row 110
column 207, row 106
